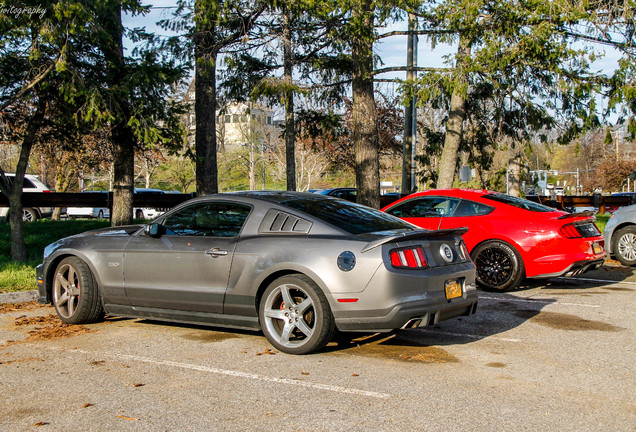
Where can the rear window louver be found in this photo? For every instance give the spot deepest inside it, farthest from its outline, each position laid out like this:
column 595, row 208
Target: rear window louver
column 276, row 221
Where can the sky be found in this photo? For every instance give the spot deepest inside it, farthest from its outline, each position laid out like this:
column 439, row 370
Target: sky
column 391, row 50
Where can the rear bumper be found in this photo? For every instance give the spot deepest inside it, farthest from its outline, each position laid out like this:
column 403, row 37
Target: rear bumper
column 574, row 269
column 409, row 316
column 427, row 307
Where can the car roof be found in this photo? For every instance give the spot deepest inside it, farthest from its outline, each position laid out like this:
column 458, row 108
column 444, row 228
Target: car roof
column 142, row 190
column 277, row 196
column 460, row 193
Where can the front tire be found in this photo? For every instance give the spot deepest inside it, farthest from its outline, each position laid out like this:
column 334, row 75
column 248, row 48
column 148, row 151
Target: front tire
column 295, row 315
column 624, row 245
column 75, row 295
column 499, row 266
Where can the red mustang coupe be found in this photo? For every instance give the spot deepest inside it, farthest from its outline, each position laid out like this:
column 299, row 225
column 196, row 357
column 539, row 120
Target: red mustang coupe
column 509, row 238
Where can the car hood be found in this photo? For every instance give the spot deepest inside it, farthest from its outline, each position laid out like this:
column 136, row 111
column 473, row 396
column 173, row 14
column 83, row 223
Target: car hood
column 121, row 231
column 110, row 231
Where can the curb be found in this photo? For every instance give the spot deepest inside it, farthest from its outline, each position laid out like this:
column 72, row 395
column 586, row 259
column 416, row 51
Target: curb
column 19, row 296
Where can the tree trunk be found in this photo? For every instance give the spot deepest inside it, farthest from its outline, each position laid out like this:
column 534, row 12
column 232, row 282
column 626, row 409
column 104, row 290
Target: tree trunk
column 205, row 53
column 515, row 167
column 122, row 136
column 14, row 190
column 290, row 122
column 454, row 126
column 124, row 168
column 62, row 181
column 365, row 120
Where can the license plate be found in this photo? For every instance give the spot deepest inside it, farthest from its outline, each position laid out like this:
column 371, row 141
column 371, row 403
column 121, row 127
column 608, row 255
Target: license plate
column 453, row 289
column 597, row 248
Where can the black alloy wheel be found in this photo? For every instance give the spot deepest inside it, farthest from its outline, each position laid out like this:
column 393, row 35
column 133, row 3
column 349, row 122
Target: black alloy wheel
column 499, row 266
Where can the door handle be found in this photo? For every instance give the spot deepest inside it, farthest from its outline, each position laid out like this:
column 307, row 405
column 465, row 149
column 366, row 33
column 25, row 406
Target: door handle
column 215, row 252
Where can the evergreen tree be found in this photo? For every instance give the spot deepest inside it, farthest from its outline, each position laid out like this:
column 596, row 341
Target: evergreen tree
column 207, row 27
column 522, row 53
column 65, row 70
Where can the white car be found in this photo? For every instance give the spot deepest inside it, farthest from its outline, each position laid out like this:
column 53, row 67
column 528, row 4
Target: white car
column 620, row 235
column 148, row 212
column 29, row 214
column 89, row 212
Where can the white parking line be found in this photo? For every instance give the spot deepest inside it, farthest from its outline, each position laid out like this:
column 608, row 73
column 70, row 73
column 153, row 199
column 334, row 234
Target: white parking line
column 535, row 301
column 233, row 373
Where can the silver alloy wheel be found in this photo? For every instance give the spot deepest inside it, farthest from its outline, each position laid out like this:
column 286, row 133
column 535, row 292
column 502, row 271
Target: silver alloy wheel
column 290, row 315
column 28, row 215
column 66, row 290
column 627, row 246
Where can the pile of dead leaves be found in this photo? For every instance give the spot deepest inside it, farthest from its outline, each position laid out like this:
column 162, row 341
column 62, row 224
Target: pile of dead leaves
column 47, row 327
column 13, row 307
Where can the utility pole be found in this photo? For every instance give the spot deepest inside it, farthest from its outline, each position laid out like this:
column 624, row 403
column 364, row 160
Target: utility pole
column 410, row 123
column 414, row 105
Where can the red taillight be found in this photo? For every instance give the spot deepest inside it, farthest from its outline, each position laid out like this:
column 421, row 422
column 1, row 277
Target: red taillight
column 570, row 231
column 412, row 257
column 464, row 250
column 395, row 259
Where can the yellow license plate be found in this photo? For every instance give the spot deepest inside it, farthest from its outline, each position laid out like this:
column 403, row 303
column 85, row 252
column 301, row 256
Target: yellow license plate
column 453, row 289
column 597, row 248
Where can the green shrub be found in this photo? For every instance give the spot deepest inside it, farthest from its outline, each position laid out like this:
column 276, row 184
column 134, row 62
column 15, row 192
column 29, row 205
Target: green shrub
column 21, row 276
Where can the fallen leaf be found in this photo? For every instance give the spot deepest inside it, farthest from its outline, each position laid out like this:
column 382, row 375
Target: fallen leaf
column 267, row 352
column 304, row 373
column 355, row 375
column 138, row 385
column 38, row 424
column 127, row 418
column 86, row 405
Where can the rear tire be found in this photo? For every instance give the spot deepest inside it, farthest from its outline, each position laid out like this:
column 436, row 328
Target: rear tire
column 75, row 294
column 499, row 266
column 624, row 245
column 295, row 315
column 29, row 214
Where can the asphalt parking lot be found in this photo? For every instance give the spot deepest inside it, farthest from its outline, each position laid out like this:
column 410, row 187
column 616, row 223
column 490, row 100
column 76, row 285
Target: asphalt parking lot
column 556, row 356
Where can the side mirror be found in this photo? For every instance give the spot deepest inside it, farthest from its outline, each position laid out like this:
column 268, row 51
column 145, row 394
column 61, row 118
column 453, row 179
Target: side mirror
column 154, row 230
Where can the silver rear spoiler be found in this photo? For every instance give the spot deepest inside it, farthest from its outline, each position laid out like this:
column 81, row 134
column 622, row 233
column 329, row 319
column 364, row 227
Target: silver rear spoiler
column 415, row 235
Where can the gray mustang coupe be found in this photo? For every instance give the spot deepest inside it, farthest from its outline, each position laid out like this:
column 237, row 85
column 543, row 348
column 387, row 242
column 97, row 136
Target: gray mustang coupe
column 295, row 265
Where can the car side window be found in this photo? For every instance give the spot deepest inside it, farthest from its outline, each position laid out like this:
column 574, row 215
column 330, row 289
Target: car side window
column 345, row 194
column 470, row 208
column 425, row 207
column 216, row 219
